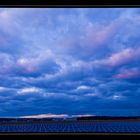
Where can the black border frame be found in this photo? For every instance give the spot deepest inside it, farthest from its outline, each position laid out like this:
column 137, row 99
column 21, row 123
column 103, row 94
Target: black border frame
column 68, row 4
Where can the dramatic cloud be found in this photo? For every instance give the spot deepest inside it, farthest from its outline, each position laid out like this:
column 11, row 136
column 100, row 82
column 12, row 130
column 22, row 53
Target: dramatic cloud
column 123, row 57
column 61, row 62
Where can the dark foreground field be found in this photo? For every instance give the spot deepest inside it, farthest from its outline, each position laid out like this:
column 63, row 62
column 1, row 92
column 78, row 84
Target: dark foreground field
column 85, row 126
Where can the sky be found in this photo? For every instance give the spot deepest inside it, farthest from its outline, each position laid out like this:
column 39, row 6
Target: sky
column 69, row 61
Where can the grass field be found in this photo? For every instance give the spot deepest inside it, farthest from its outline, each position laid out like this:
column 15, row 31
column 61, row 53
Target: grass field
column 87, row 126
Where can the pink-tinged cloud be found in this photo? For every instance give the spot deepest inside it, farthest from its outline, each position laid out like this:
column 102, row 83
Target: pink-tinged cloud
column 128, row 74
column 93, row 38
column 83, row 115
column 56, row 116
column 26, row 65
column 34, row 64
column 120, row 58
column 97, row 36
column 47, row 116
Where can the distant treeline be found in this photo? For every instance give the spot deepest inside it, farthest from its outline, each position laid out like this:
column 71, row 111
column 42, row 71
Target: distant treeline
column 108, row 117
column 69, row 119
column 24, row 119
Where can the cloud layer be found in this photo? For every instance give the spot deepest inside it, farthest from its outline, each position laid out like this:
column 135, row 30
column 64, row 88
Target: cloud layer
column 69, row 61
